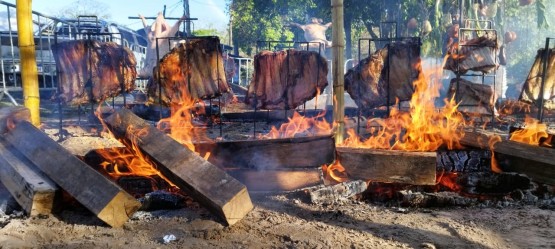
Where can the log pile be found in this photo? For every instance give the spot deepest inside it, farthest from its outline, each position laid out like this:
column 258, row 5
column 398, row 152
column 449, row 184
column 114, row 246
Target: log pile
column 106, row 67
column 472, row 97
column 394, row 67
column 286, row 79
column 531, row 89
column 478, row 54
column 194, row 69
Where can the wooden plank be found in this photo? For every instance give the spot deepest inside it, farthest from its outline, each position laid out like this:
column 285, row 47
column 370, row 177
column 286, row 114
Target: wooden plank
column 33, row 190
column 277, row 180
column 12, row 114
column 226, row 197
column 302, row 152
column 99, row 195
column 535, row 161
column 417, row 168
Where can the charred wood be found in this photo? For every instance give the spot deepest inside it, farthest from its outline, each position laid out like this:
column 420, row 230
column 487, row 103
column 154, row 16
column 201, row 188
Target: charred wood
column 464, row 160
column 332, row 194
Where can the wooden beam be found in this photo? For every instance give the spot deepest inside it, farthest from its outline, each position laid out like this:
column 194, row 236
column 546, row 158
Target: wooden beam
column 535, row 161
column 277, row 180
column 417, row 168
column 34, row 191
column 226, row 197
column 11, row 115
column 99, row 195
column 302, row 152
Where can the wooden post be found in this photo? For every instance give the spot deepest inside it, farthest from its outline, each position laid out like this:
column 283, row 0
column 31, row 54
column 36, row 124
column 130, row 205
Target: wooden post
column 34, row 192
column 222, row 194
column 338, row 50
column 29, row 73
column 99, row 195
column 417, row 168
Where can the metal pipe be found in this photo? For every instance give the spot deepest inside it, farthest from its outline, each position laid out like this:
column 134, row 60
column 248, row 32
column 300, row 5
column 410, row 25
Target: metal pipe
column 29, row 73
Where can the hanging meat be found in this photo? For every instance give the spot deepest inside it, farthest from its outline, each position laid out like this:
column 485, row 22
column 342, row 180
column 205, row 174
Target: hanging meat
column 477, row 54
column 531, row 88
column 394, row 67
column 472, row 97
column 286, row 79
column 92, row 71
column 193, row 69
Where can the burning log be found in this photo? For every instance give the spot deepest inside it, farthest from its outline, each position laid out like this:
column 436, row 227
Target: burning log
column 390, row 71
column 332, row 194
column 534, row 161
column 532, row 86
column 102, row 197
column 193, row 69
column 301, row 152
column 34, row 192
column 226, row 197
column 472, row 97
column 107, row 68
column 439, row 199
column 464, row 161
column 277, row 180
column 286, row 79
column 418, row 168
column 478, row 54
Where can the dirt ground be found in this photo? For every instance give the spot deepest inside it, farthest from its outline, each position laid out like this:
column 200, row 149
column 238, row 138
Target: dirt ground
column 283, row 220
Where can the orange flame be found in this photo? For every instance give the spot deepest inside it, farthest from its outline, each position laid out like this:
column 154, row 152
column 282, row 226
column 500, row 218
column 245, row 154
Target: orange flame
column 532, row 133
column 335, row 171
column 298, row 124
column 494, row 164
column 423, row 128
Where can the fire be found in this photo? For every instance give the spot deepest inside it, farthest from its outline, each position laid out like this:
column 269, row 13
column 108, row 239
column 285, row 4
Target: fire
column 180, row 124
column 335, row 171
column 423, row 128
column 298, row 124
column 533, row 132
column 494, row 164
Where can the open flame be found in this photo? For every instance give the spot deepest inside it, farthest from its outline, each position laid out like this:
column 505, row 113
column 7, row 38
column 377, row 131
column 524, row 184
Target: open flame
column 532, row 133
column 423, row 128
column 300, row 125
column 335, row 171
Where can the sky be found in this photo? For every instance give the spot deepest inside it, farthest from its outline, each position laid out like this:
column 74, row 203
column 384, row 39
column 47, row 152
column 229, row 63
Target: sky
column 210, row 13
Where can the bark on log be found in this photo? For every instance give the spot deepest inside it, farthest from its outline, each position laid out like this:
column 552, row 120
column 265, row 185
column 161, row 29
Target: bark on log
column 277, row 180
column 417, row 168
column 226, row 197
column 332, row 194
column 531, row 88
column 302, row 152
column 534, row 161
column 194, row 69
column 478, row 54
column 111, row 69
column 464, row 161
column 472, row 97
column 101, row 196
column 286, row 79
column 394, row 67
column 33, row 190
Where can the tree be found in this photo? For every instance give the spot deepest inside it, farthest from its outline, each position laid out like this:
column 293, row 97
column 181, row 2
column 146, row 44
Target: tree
column 84, row 8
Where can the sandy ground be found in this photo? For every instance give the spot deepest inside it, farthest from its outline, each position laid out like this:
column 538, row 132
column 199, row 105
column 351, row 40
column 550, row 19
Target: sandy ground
column 284, row 220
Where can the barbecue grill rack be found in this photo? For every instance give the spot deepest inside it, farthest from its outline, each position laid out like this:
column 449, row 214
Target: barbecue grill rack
column 466, row 34
column 274, row 45
column 373, row 45
column 546, row 55
column 89, row 30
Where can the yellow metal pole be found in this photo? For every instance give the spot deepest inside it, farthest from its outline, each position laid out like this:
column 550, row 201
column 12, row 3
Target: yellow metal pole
column 338, row 50
column 29, row 74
